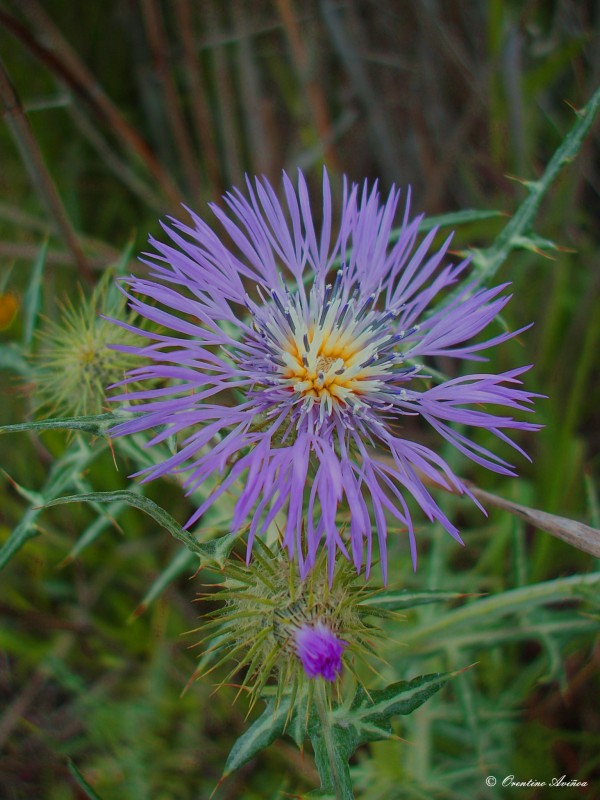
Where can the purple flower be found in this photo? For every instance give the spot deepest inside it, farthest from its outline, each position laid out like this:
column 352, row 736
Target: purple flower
column 320, row 651
column 286, row 362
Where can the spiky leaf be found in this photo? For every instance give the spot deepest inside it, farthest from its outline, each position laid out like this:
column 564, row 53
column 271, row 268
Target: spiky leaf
column 263, row 732
column 97, row 424
column 137, row 501
column 399, row 600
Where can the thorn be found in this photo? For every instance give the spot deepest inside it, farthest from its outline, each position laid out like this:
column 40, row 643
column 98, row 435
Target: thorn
column 542, row 253
column 192, row 679
column 221, row 780
column 580, row 112
column 112, row 452
column 464, row 669
column 201, row 566
column 530, row 185
column 11, row 480
column 137, row 613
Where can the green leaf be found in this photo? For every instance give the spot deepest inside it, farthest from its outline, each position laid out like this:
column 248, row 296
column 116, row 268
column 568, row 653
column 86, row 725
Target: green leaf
column 26, row 529
column 82, row 783
column 533, row 243
column 137, row 501
column 182, row 560
column 453, row 219
column 403, row 697
column 367, row 720
column 335, row 777
column 397, row 600
column 369, row 716
column 263, row 732
column 96, row 528
column 333, row 746
column 31, row 301
column 217, row 550
column 486, row 611
column 482, row 638
column 97, row 424
column 64, row 473
column 11, row 358
column 519, row 225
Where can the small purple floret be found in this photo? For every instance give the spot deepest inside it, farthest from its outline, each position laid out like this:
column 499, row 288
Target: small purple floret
column 320, row 651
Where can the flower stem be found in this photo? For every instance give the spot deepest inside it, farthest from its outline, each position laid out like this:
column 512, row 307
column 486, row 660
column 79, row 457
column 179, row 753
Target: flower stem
column 331, row 762
column 487, row 262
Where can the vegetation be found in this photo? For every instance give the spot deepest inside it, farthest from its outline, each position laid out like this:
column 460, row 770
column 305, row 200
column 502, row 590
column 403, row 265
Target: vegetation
column 115, row 113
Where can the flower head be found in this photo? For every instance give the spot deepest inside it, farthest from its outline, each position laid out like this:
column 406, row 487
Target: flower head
column 320, row 651
column 75, row 362
column 289, row 366
column 277, row 626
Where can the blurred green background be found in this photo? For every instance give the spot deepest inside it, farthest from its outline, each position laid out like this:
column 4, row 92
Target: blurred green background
column 115, row 113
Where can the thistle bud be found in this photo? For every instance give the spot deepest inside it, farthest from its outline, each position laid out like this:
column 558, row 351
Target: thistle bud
column 281, row 628
column 82, row 354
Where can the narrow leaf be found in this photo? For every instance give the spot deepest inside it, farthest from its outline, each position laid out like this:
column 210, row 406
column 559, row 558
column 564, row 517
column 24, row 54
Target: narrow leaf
column 12, row 359
column 31, row 301
column 82, row 783
column 63, row 474
column 403, row 697
column 577, row 534
column 182, row 560
column 520, row 223
column 455, row 218
column 268, row 727
column 137, row 501
column 397, row 600
column 97, row 424
column 485, row 611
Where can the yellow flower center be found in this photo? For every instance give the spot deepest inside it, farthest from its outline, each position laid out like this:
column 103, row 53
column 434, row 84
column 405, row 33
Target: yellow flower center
column 328, row 367
column 334, row 352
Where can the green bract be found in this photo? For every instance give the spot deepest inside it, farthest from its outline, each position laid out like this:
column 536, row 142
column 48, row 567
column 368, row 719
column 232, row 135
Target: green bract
column 75, row 362
column 264, row 606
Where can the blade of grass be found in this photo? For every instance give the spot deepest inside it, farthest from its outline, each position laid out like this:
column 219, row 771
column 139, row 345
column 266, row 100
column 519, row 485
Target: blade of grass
column 53, row 50
column 200, row 111
column 32, row 298
column 225, row 98
column 183, row 560
column 82, row 783
column 62, row 475
column 159, row 47
column 309, row 79
column 36, row 167
column 514, row 600
column 347, row 50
